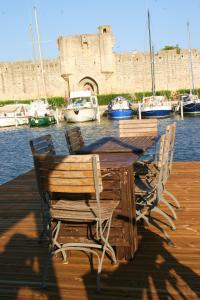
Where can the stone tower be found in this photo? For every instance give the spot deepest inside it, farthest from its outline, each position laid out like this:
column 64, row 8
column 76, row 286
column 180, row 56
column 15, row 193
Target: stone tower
column 87, row 59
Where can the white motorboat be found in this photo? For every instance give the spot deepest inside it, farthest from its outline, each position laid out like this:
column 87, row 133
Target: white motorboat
column 82, row 106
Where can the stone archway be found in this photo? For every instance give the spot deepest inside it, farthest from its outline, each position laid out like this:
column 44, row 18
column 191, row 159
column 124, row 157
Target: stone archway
column 88, row 83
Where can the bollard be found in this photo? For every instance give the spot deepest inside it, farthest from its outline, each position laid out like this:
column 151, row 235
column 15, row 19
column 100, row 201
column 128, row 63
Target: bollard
column 98, row 117
column 139, row 111
column 56, row 116
column 182, row 110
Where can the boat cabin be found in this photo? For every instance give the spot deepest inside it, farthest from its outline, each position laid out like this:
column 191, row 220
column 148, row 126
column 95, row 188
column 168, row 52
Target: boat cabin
column 12, row 110
column 82, row 99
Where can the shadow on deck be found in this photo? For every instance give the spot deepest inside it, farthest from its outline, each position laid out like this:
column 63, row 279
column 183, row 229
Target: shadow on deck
column 158, row 271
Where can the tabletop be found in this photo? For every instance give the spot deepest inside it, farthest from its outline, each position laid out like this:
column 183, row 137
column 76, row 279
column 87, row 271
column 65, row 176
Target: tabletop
column 136, row 145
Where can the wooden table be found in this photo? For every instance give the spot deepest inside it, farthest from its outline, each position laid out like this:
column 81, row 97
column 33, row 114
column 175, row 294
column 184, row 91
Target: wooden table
column 117, row 156
column 135, row 145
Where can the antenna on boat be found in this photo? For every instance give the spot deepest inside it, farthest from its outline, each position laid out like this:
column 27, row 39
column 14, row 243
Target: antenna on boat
column 190, row 59
column 40, row 53
column 151, row 57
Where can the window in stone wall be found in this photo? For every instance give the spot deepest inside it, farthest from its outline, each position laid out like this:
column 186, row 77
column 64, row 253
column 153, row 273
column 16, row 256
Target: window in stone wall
column 84, row 41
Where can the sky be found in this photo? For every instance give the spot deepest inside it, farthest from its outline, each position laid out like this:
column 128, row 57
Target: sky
column 128, row 19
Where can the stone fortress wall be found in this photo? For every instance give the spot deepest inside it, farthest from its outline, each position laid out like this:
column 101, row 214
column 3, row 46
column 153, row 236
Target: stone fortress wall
column 87, row 61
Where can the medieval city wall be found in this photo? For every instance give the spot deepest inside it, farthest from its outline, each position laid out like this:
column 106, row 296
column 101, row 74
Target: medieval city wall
column 24, row 80
column 88, row 61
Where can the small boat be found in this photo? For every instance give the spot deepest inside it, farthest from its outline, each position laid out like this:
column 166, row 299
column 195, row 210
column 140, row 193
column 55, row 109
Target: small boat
column 82, row 107
column 120, row 108
column 41, row 121
column 13, row 115
column 40, row 114
column 155, row 107
column 190, row 102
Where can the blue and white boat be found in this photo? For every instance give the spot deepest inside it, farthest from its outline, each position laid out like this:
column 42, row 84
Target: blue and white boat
column 191, row 104
column 120, row 108
column 155, row 107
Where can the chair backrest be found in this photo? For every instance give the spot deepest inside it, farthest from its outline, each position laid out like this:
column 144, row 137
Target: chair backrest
column 159, row 158
column 42, row 145
column 68, row 174
column 172, row 142
column 164, row 162
column 74, row 139
column 170, row 136
column 144, row 127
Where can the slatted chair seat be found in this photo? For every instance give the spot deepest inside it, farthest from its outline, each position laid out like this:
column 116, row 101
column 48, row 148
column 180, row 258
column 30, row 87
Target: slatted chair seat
column 78, row 210
column 75, row 174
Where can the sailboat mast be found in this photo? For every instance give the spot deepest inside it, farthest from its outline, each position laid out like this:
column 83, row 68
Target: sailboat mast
column 34, row 57
column 190, row 60
column 151, row 58
column 40, row 53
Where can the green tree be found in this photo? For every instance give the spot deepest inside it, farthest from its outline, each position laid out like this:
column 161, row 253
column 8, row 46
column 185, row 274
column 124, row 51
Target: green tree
column 170, row 47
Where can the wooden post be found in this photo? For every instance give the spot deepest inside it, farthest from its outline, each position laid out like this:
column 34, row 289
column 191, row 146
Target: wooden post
column 182, row 110
column 139, row 111
column 98, row 117
column 57, row 116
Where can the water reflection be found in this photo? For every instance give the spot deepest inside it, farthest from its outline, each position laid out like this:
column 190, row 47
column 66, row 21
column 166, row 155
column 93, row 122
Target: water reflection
column 16, row 157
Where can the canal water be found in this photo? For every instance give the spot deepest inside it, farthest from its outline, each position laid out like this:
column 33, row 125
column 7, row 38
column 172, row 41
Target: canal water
column 16, row 157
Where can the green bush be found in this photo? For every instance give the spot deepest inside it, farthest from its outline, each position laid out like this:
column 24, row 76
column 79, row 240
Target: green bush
column 187, row 91
column 6, row 102
column 56, row 101
column 168, row 47
column 140, row 95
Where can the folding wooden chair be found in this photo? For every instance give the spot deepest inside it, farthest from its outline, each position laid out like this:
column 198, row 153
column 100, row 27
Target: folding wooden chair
column 74, row 139
column 149, row 194
column 42, row 145
column 75, row 174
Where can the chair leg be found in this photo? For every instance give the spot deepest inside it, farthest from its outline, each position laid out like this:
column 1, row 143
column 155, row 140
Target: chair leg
column 159, row 211
column 173, row 198
column 106, row 247
column 55, row 234
column 169, row 206
column 152, row 222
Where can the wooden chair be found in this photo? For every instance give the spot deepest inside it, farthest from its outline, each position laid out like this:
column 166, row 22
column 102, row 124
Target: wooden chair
column 150, row 194
column 161, row 171
column 75, row 174
column 74, row 139
column 152, row 167
column 42, row 145
column 144, row 127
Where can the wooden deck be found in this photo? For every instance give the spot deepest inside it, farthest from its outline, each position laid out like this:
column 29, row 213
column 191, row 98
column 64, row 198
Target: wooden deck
column 159, row 271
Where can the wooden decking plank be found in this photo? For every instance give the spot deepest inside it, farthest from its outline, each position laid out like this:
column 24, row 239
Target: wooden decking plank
column 158, row 271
